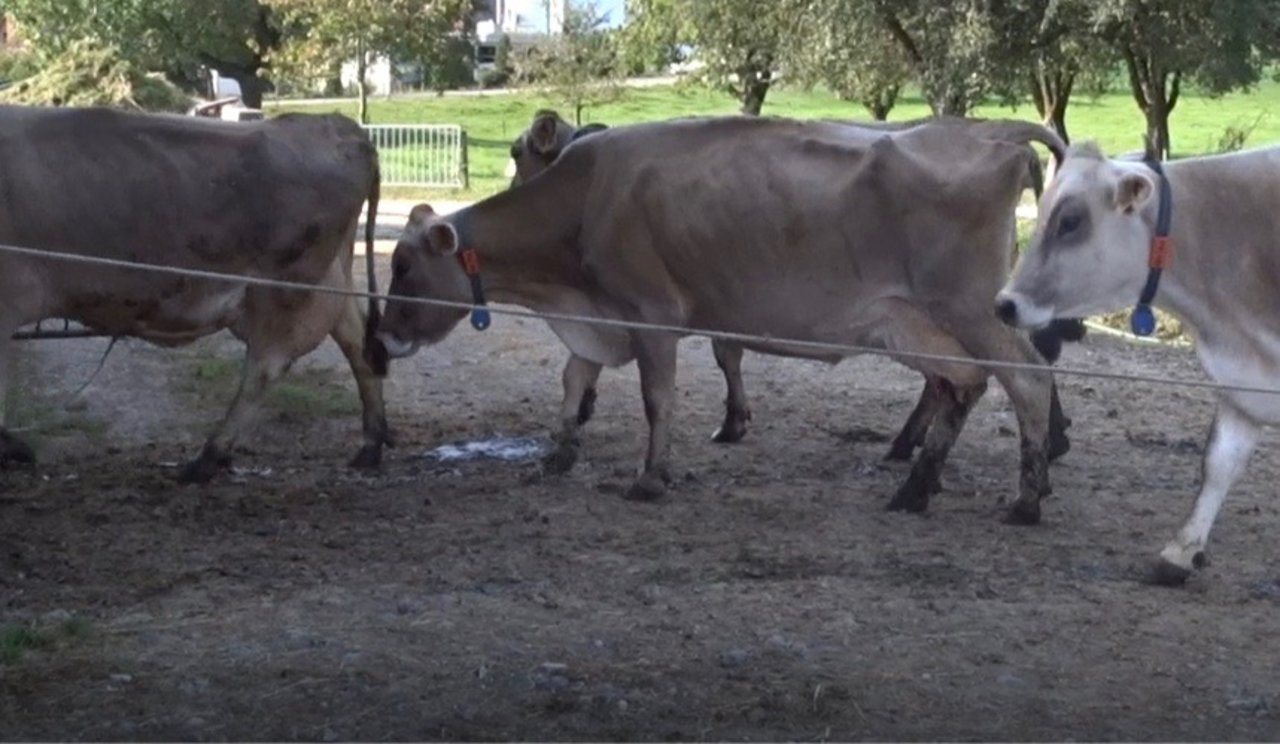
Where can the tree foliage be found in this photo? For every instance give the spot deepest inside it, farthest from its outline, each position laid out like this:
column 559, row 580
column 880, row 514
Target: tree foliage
column 176, row 37
column 579, row 67
column 848, row 49
column 324, row 34
column 1167, row 44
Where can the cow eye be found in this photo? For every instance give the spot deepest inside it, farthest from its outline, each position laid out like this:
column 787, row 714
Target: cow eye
column 1069, row 224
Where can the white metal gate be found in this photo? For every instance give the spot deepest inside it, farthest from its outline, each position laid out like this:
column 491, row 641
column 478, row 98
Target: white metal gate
column 421, row 154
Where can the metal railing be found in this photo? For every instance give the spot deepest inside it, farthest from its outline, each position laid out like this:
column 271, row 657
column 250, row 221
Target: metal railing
column 433, row 155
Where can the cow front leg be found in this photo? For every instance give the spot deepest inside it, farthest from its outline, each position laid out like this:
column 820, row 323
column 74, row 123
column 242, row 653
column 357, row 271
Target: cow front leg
column 579, row 378
column 1059, row 443
column 12, row 449
column 953, row 406
column 913, row 432
column 257, row 375
column 736, row 411
column 1231, row 442
column 350, row 336
column 656, row 356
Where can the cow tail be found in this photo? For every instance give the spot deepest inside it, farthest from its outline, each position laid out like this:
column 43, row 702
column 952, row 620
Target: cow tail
column 374, row 351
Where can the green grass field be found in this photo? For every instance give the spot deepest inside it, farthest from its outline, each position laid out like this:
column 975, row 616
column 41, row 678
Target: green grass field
column 1114, row 120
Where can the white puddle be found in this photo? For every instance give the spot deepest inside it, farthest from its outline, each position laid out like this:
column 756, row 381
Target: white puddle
column 507, row 449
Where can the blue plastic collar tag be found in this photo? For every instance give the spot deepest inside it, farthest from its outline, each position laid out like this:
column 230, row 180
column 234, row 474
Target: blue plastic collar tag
column 1143, row 320
column 479, row 318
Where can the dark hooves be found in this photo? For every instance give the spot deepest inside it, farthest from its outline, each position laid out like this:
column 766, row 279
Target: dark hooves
column 561, row 460
column 1164, row 573
column 14, row 450
column 733, row 429
column 901, row 451
column 1023, row 513
column 648, row 487
column 911, row 499
column 587, row 407
column 205, row 467
column 369, row 456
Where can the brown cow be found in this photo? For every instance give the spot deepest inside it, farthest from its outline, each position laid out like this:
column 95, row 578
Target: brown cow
column 537, row 148
column 895, row 240
column 278, row 199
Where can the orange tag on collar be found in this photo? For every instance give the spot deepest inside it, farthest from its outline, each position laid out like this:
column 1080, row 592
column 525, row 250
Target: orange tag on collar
column 1161, row 253
column 470, row 261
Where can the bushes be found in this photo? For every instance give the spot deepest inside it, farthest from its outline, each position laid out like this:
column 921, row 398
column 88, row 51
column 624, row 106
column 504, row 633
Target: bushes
column 16, row 64
column 91, row 75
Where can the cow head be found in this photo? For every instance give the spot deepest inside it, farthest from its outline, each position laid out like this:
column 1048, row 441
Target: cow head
column 536, row 149
column 424, row 264
column 1090, row 248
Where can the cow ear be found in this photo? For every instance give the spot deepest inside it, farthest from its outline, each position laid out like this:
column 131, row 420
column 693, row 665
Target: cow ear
column 420, row 213
column 1133, row 191
column 543, row 133
column 441, row 239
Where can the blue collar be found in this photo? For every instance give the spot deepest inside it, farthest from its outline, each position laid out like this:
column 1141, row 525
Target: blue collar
column 1143, row 320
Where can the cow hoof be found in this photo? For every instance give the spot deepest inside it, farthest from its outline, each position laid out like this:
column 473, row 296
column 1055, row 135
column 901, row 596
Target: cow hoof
column 1167, row 573
column 587, row 406
column 561, row 460
column 1023, row 513
column 733, row 429
column 14, row 450
column 205, row 467
column 369, row 456
column 648, row 487
column 910, row 498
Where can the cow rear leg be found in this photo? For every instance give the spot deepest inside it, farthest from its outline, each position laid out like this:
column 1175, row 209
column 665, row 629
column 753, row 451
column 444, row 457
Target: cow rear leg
column 656, row 356
column 913, row 432
column 1231, row 442
column 1031, row 392
column 579, row 378
column 257, row 374
column 350, row 337
column 953, row 407
column 736, row 411
column 12, row 449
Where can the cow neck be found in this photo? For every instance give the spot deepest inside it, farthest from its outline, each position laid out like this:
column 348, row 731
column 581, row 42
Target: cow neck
column 1160, row 254
column 1182, row 290
column 523, row 239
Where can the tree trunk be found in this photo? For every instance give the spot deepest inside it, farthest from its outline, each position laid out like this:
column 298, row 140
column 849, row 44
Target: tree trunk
column 755, row 86
column 1051, row 91
column 361, row 87
column 949, row 103
column 881, row 103
column 1156, row 92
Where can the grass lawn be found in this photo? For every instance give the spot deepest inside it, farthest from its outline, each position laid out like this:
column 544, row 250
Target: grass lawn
column 493, row 121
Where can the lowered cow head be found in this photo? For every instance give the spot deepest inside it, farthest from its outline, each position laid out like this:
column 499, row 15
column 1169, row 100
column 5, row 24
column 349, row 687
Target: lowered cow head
column 536, row 149
column 424, row 264
column 1091, row 244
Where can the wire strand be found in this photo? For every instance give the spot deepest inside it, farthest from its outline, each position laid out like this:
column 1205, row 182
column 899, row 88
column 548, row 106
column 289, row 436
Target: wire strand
column 631, row 325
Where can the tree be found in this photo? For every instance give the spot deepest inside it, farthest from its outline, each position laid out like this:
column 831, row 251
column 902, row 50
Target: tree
column 849, row 50
column 738, row 43
column 325, row 33
column 580, row 65
column 952, row 47
column 653, row 39
column 176, row 37
column 1167, row 44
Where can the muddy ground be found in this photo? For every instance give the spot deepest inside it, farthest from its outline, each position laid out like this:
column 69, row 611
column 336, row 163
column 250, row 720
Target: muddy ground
column 769, row 596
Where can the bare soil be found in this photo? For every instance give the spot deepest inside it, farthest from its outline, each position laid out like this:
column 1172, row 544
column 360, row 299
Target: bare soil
column 769, row 596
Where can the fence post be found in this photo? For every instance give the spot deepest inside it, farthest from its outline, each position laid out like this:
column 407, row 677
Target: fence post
column 464, row 143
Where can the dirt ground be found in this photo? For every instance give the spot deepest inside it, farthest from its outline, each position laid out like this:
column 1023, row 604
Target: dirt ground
column 769, row 596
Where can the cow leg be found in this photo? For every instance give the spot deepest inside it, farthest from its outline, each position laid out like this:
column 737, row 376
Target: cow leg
column 349, row 334
column 1059, row 442
column 656, row 356
column 917, row 426
column 12, row 449
column 1231, row 442
column 579, row 378
column 1030, row 391
column 257, row 374
column 953, row 404
column 736, row 411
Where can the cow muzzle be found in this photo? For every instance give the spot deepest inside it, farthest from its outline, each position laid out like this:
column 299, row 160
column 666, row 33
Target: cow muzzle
column 397, row 348
column 1017, row 311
